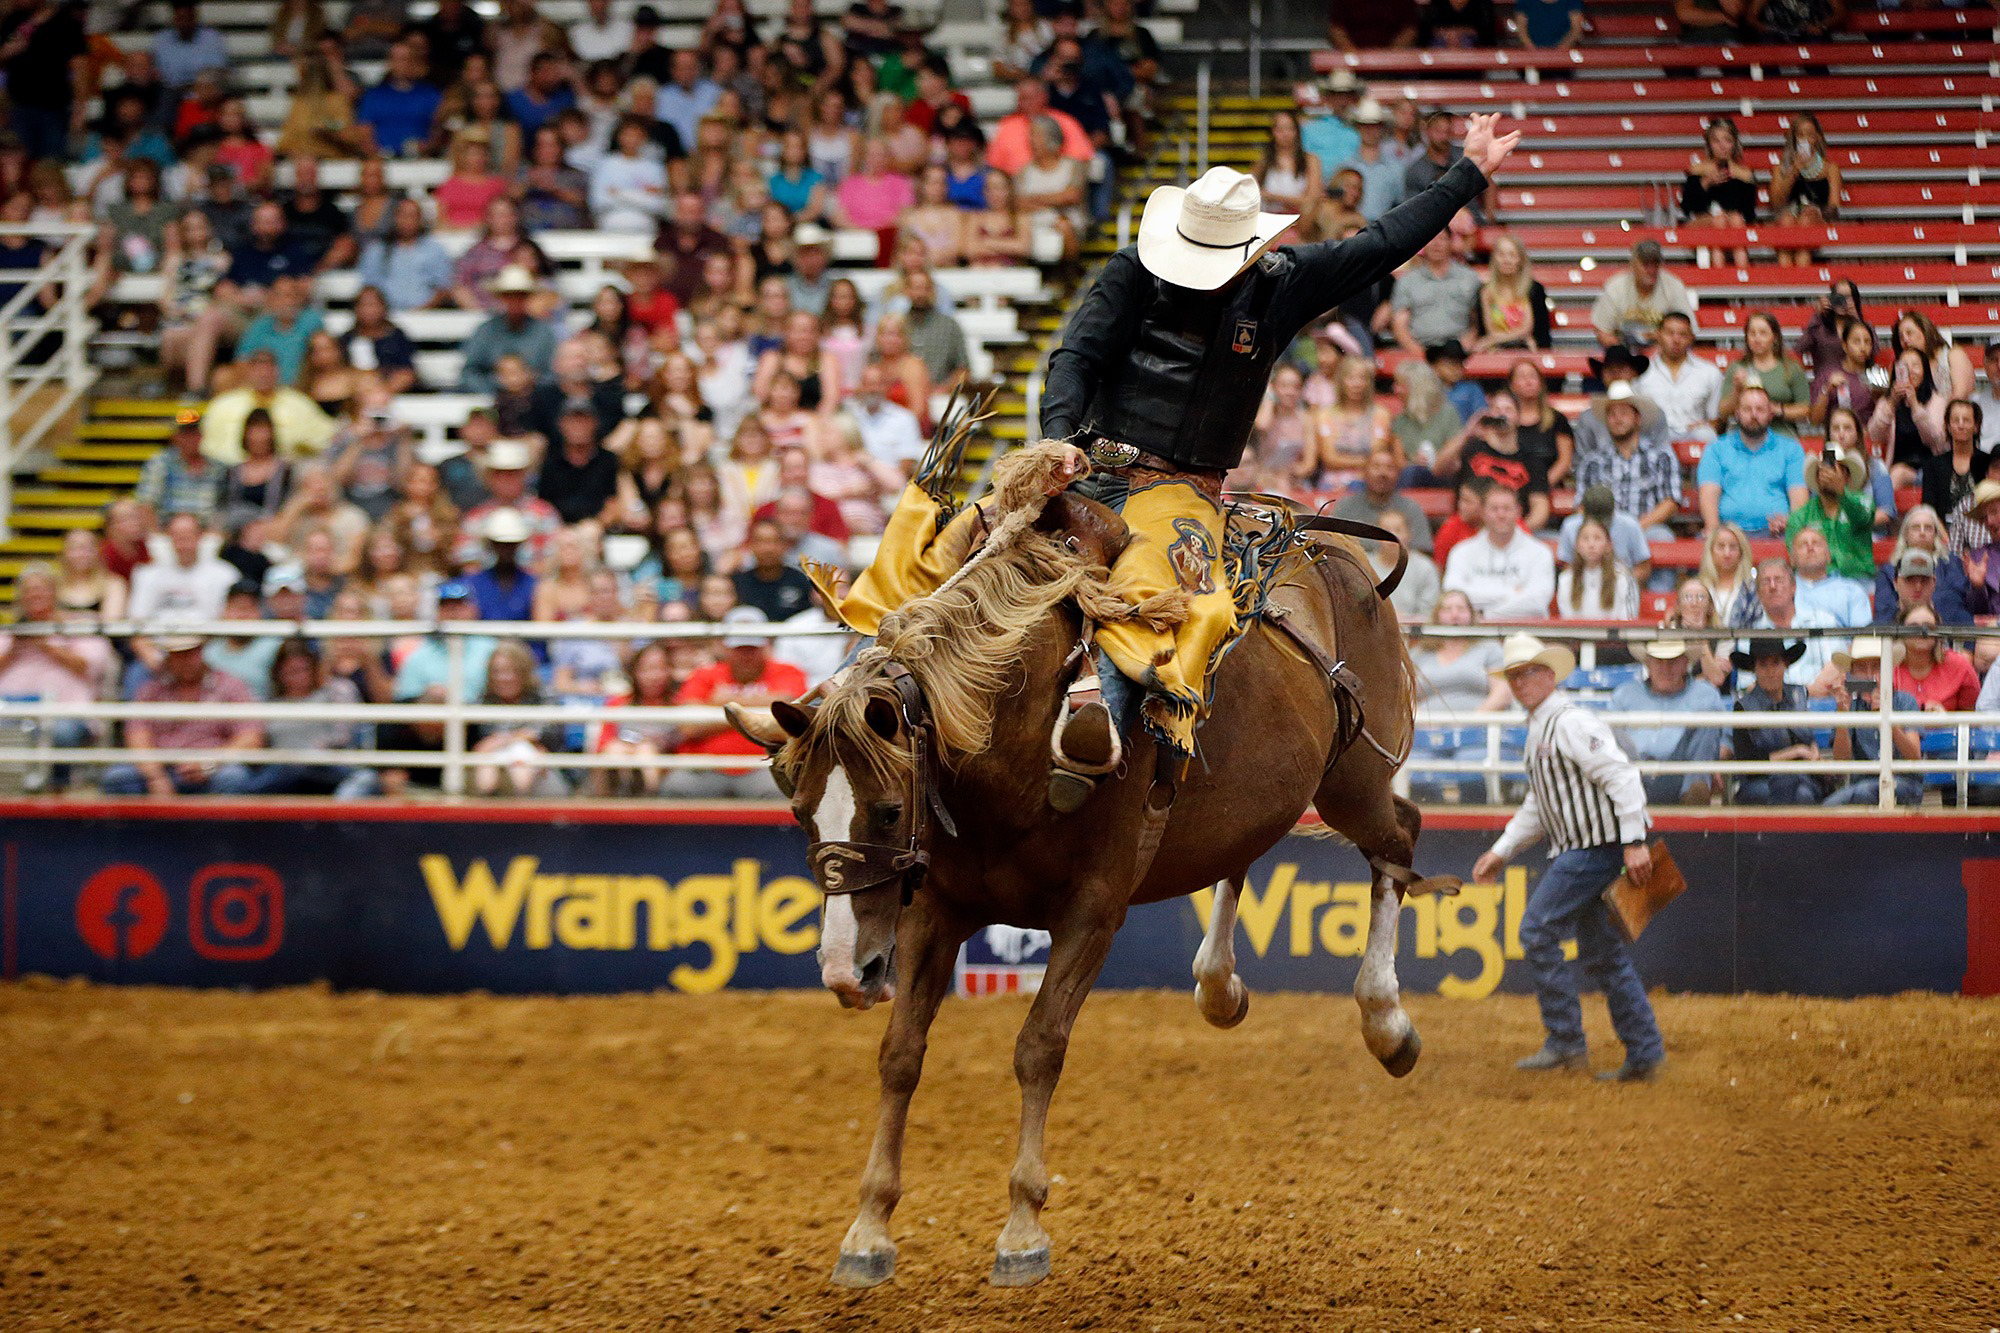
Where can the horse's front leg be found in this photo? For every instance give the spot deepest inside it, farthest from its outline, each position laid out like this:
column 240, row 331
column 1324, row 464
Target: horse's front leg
column 925, row 952
column 1076, row 953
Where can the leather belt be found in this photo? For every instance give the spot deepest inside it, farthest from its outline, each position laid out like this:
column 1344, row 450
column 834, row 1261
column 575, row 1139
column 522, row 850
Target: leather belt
column 1130, row 459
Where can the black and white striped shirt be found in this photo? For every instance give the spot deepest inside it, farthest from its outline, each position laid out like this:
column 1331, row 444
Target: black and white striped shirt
column 1583, row 791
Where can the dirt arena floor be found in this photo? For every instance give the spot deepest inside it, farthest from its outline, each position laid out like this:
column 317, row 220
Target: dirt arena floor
column 306, row 1160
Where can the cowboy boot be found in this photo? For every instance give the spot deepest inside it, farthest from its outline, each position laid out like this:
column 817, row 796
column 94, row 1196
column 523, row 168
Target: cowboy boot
column 1086, row 748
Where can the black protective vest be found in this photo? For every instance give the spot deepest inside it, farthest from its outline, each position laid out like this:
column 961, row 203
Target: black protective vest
column 1189, row 388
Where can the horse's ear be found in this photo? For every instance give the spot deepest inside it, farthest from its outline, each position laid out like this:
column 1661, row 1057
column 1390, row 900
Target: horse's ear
column 755, row 724
column 883, row 719
column 794, row 719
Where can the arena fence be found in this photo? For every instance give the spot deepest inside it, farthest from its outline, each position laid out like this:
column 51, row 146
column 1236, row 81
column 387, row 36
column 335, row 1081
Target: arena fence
column 1961, row 750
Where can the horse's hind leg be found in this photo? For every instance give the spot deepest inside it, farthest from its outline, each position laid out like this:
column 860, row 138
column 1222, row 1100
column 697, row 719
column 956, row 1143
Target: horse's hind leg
column 1218, row 992
column 927, row 947
column 1384, row 827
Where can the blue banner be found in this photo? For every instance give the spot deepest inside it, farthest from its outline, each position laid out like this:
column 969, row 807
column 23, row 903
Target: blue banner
column 516, row 906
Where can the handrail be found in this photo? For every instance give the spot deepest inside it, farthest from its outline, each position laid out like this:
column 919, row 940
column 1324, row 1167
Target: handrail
column 67, row 272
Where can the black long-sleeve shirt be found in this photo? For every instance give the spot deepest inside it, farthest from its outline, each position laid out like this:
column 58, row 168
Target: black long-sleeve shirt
column 1096, row 357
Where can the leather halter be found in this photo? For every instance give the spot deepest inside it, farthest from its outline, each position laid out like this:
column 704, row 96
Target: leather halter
column 847, row 866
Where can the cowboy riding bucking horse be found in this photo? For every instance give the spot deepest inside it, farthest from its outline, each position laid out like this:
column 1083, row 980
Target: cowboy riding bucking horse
column 1153, row 393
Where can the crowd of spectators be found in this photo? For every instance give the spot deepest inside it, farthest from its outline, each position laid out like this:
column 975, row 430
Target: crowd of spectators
column 729, row 409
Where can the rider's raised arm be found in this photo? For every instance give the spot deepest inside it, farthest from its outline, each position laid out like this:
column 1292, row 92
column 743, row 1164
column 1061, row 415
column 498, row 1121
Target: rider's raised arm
column 1097, row 335
column 1328, row 272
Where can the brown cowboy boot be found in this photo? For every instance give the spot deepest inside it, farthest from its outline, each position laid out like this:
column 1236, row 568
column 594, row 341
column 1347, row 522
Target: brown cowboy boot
column 1085, row 748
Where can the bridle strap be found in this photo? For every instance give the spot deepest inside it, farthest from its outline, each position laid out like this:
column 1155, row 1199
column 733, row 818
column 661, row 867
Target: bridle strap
column 853, row 867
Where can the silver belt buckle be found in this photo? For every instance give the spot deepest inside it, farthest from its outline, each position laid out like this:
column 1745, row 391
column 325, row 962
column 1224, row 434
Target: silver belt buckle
column 1110, row 453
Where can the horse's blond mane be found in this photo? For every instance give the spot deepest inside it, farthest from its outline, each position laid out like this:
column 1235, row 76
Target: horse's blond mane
column 964, row 643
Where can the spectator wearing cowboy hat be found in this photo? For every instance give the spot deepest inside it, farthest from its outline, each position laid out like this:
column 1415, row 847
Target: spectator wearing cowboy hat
column 1670, row 686
column 1381, row 171
column 504, row 590
column 1633, row 303
column 1447, row 359
column 512, row 331
column 184, row 676
column 1839, row 505
column 809, row 284
column 508, row 463
column 1856, row 692
column 1621, row 445
column 1323, row 127
column 1769, row 661
column 1586, row 797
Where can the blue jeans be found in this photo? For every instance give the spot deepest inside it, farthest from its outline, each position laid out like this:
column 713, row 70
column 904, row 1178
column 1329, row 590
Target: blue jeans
column 127, row 780
column 1779, row 789
column 1864, row 791
column 1563, row 903
column 341, row 781
column 44, row 133
column 1697, row 744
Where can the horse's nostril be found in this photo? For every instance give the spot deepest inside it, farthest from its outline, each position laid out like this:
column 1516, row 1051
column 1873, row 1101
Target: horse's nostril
column 875, row 971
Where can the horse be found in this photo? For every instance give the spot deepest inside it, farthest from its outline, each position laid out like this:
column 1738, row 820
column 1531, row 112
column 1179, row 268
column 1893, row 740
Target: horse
column 921, row 777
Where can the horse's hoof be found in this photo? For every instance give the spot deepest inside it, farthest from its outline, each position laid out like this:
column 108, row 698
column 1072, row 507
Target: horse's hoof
column 864, row 1270
column 1024, row 1269
column 1404, row 1058
column 1241, row 1012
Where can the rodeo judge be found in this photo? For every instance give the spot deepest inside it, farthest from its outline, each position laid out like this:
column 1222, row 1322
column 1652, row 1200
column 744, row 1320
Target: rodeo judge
column 1587, row 797
column 1154, row 390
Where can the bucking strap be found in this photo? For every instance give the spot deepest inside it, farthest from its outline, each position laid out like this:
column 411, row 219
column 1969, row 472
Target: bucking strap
column 1348, row 527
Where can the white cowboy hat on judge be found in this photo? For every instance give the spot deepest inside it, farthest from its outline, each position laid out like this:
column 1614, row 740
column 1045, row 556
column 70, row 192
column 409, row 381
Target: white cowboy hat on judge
column 1526, row 650
column 1202, row 236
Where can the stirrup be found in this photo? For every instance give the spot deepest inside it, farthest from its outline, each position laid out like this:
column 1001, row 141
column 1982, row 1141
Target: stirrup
column 1084, row 746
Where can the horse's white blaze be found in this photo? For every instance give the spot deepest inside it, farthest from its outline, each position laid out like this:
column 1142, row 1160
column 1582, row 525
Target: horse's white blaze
column 1384, row 1025
column 833, row 821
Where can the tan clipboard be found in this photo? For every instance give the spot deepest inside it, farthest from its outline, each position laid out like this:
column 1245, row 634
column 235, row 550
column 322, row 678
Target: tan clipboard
column 1634, row 905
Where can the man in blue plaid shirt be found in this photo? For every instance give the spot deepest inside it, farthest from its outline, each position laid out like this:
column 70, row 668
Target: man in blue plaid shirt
column 1636, row 465
column 180, row 479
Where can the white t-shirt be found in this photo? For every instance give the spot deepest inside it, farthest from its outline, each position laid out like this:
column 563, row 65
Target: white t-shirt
column 166, row 590
column 593, row 41
column 1514, row 582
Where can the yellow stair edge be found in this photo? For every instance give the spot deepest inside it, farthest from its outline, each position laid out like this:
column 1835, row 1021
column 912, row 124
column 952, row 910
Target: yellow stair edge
column 42, row 520
column 126, row 430
column 44, row 497
column 105, row 453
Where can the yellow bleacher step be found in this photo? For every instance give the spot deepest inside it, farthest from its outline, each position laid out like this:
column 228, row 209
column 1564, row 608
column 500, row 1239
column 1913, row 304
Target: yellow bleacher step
column 81, row 452
column 58, row 497
column 61, row 520
column 157, row 431
column 31, row 546
column 163, row 408
column 89, row 476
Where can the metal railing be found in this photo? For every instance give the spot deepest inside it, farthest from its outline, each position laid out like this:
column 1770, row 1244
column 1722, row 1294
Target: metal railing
column 1489, row 764
column 29, row 361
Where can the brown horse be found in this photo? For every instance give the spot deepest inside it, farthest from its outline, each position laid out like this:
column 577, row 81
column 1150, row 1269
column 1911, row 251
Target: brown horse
column 922, row 778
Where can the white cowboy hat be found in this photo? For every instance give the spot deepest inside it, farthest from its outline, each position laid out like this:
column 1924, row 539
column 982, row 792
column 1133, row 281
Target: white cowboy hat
column 811, row 233
column 513, row 279
column 508, row 456
column 506, row 526
column 1621, row 391
column 1666, row 650
column 1202, row 236
column 1368, row 111
column 1526, row 650
column 1870, row 648
column 1857, row 471
column 1342, row 80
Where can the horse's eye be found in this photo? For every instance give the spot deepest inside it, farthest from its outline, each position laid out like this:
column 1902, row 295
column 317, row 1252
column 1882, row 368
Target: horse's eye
column 888, row 814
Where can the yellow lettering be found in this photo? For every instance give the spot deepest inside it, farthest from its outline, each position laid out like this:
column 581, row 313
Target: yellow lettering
column 583, row 918
column 1203, row 902
column 1307, row 898
column 543, row 891
column 701, row 916
column 1343, row 929
column 784, row 903
column 1424, row 925
column 476, row 898
column 1479, row 934
column 1259, row 914
column 1517, row 907
column 747, row 872
column 627, row 893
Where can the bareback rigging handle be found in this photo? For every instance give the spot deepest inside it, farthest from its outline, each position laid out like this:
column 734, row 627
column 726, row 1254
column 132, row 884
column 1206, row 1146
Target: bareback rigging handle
column 1348, row 527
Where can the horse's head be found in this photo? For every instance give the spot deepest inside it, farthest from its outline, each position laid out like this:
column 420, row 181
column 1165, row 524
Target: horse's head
column 857, row 768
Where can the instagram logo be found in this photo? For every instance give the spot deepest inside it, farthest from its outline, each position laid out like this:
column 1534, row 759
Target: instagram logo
column 236, row 913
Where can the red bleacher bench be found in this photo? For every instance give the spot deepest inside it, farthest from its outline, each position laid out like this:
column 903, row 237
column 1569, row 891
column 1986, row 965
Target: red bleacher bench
column 1665, row 54
column 1896, row 239
column 1955, row 86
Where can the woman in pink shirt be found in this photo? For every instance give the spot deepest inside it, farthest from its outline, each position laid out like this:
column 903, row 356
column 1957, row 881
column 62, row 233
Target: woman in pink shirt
column 1942, row 679
column 874, row 197
column 462, row 197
